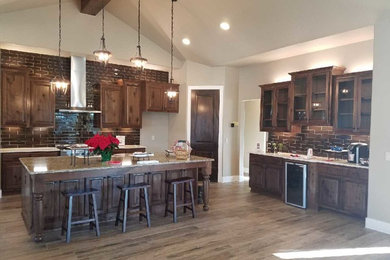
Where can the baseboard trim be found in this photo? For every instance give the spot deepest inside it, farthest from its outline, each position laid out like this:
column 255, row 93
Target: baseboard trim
column 246, row 170
column 235, row 178
column 378, row 225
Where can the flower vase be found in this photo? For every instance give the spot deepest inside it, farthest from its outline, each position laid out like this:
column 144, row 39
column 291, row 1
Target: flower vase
column 106, row 156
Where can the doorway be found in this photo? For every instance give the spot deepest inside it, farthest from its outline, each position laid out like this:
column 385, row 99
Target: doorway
column 204, row 123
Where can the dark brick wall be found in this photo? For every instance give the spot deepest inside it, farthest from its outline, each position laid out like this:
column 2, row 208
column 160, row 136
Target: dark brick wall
column 70, row 128
column 319, row 138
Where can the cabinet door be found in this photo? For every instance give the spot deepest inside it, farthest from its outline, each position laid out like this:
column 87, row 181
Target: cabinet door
column 329, row 189
column 274, row 179
column 42, row 104
column 282, row 108
column 171, row 105
column 345, row 105
column 319, row 97
column 15, row 96
column 132, row 105
column 300, row 90
column 364, row 104
column 355, row 197
column 111, row 104
column 154, row 97
column 98, row 183
column 11, row 177
column 256, row 177
column 267, row 98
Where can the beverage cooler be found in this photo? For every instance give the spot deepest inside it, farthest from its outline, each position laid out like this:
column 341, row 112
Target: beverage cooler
column 295, row 185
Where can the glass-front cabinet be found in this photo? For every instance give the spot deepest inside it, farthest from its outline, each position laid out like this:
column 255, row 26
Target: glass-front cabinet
column 275, row 107
column 312, row 95
column 352, row 111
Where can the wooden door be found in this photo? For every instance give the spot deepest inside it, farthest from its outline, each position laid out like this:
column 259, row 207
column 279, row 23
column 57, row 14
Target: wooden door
column 42, row 104
column 205, row 126
column 329, row 189
column 15, row 96
column 132, row 105
column 355, row 197
column 154, row 96
column 274, row 179
column 171, row 105
column 111, row 104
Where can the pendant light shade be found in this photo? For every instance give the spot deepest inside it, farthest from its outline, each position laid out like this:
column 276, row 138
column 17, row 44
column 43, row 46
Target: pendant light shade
column 171, row 93
column 102, row 54
column 59, row 82
column 138, row 61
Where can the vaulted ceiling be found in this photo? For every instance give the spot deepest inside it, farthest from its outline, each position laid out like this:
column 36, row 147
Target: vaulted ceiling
column 259, row 28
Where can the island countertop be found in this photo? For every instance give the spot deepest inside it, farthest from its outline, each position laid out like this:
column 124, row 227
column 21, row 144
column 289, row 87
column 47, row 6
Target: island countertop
column 45, row 165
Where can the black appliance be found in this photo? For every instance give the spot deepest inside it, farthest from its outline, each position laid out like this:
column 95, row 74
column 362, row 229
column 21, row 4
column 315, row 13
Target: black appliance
column 296, row 182
column 357, row 151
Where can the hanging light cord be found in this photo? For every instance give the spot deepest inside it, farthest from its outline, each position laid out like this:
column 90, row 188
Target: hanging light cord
column 139, row 28
column 171, row 80
column 60, row 37
column 103, row 22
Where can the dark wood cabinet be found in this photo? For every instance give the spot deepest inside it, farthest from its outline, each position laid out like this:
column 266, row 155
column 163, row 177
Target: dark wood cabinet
column 15, row 97
column 11, row 170
column 311, row 94
column 352, row 112
column 275, row 107
column 111, row 105
column 329, row 191
column 266, row 174
column 42, row 104
column 155, row 98
column 132, row 104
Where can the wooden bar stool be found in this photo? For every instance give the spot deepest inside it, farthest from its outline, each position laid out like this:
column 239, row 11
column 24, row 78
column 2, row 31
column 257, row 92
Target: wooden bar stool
column 123, row 203
column 67, row 217
column 185, row 204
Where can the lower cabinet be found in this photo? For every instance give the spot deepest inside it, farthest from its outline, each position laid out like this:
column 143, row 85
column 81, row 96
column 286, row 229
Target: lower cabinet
column 343, row 189
column 266, row 174
column 11, row 170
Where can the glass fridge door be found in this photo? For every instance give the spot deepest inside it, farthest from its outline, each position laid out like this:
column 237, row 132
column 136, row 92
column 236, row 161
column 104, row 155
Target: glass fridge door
column 295, row 184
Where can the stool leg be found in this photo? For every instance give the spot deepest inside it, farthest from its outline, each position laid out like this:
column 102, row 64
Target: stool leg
column 90, row 201
column 147, row 206
column 174, row 203
column 118, row 211
column 167, row 186
column 64, row 217
column 69, row 226
column 140, row 205
column 192, row 200
column 184, row 197
column 96, row 215
column 125, row 211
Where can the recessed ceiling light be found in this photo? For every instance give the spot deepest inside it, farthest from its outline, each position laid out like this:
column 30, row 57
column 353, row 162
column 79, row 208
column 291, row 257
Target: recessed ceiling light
column 186, row 41
column 224, row 26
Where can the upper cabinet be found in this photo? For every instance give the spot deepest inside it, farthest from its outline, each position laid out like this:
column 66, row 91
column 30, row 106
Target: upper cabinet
column 132, row 104
column 311, row 93
column 15, row 96
column 111, row 105
column 42, row 103
column 352, row 111
column 155, row 98
column 275, row 107
column 26, row 102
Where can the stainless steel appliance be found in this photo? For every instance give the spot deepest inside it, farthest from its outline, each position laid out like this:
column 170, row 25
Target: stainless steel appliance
column 357, row 151
column 295, row 184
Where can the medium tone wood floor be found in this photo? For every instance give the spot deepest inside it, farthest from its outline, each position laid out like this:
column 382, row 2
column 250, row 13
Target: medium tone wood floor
column 240, row 225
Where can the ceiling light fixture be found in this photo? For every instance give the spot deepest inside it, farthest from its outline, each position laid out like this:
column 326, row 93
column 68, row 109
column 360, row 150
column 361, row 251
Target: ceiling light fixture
column 225, row 26
column 171, row 93
column 59, row 82
column 138, row 60
column 186, row 41
column 102, row 54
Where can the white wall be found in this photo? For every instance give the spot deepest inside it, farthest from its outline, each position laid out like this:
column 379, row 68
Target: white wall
column 252, row 135
column 154, row 132
column 379, row 175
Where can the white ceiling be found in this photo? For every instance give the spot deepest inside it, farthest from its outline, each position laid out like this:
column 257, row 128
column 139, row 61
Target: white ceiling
column 261, row 30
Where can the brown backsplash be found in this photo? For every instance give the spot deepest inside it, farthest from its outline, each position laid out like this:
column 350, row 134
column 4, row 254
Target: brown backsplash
column 319, row 138
column 70, row 127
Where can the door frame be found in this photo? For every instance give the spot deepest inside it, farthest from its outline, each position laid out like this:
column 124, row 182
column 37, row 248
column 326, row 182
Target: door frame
column 220, row 143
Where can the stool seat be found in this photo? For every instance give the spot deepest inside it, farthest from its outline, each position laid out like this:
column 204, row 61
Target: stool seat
column 134, row 186
column 82, row 192
column 180, row 180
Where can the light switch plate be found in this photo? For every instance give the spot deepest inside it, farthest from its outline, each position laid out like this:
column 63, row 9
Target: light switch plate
column 122, row 139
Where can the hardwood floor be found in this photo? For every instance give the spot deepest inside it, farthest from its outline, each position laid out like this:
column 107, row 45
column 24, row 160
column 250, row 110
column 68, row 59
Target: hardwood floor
column 239, row 224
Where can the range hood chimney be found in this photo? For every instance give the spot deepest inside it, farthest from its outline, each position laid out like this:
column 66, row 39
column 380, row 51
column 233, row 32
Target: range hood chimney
column 78, row 87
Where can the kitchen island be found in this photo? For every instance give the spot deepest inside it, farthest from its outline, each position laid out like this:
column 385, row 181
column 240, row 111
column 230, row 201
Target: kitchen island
column 44, row 178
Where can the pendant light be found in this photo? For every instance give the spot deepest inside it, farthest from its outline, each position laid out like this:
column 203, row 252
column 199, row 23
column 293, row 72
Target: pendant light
column 59, row 82
column 171, row 93
column 138, row 60
column 102, row 54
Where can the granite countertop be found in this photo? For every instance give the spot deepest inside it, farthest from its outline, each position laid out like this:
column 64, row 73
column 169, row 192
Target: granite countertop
column 54, row 149
column 314, row 159
column 44, row 165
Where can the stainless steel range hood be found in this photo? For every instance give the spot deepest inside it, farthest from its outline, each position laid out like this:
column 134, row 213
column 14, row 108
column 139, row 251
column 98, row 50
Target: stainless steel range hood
column 78, row 87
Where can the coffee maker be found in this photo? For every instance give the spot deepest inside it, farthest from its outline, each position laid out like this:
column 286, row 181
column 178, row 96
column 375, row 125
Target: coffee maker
column 356, row 151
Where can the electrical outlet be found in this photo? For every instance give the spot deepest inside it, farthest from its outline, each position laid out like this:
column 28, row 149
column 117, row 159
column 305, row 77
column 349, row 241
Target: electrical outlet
column 258, row 146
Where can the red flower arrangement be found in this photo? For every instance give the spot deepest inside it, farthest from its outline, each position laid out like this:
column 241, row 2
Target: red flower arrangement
column 103, row 145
